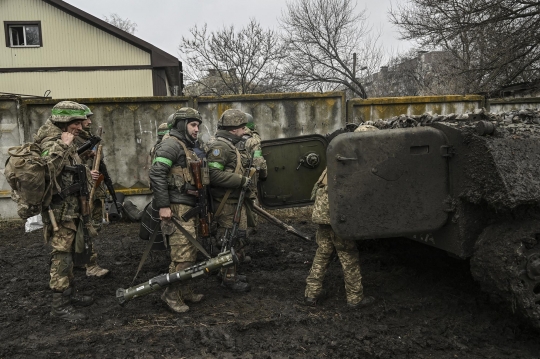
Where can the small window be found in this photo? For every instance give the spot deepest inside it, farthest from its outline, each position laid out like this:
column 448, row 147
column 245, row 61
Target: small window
column 23, row 34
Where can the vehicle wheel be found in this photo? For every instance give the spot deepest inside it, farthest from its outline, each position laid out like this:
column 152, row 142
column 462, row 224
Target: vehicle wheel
column 506, row 262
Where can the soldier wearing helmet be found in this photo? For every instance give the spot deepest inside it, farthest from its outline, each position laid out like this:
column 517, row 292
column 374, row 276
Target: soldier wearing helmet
column 162, row 131
column 226, row 177
column 253, row 148
column 88, row 158
column 56, row 138
column 170, row 180
column 327, row 242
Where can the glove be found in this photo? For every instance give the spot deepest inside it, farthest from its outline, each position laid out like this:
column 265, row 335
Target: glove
column 246, row 182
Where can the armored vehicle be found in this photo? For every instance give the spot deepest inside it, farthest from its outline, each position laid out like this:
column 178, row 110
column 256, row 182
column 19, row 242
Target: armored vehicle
column 467, row 184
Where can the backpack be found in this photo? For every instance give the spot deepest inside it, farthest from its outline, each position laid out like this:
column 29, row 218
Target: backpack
column 31, row 179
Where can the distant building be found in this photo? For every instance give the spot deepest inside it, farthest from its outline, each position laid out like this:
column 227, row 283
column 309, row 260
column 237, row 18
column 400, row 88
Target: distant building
column 427, row 73
column 53, row 47
column 522, row 89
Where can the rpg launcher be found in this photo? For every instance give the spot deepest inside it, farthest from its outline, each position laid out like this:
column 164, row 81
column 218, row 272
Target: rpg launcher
column 223, row 260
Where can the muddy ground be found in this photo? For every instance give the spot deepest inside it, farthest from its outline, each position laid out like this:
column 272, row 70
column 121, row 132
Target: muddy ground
column 428, row 306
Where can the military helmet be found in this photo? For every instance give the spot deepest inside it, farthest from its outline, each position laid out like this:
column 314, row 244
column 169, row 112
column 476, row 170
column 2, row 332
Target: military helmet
column 87, row 111
column 365, row 128
column 250, row 124
column 232, row 118
column 185, row 113
column 67, row 111
column 163, row 129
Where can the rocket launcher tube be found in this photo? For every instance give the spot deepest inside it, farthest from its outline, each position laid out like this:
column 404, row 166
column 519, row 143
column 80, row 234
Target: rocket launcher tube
column 223, row 260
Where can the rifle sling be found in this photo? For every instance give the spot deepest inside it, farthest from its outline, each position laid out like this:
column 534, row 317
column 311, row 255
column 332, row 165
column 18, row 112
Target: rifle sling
column 146, row 251
column 237, row 171
column 190, row 237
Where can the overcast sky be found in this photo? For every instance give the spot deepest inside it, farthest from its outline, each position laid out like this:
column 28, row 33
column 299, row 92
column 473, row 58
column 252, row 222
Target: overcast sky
column 163, row 22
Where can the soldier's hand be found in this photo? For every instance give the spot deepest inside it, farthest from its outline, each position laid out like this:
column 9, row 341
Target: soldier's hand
column 95, row 175
column 245, row 182
column 165, row 213
column 67, row 138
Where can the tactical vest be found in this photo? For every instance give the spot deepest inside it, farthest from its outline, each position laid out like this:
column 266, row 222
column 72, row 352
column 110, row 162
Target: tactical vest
column 180, row 176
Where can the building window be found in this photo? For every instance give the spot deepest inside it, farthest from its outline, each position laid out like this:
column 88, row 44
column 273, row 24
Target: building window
column 23, row 33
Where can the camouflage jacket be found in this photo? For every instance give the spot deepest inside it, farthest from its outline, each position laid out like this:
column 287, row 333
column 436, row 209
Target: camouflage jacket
column 60, row 154
column 222, row 161
column 253, row 146
column 321, row 208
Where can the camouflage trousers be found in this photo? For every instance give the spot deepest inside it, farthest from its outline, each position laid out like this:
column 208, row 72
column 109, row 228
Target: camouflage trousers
column 61, row 241
column 350, row 262
column 182, row 250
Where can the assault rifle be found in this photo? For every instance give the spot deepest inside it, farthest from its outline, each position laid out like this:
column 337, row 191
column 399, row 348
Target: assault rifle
column 80, row 189
column 223, row 260
column 89, row 144
column 289, row 229
column 230, row 237
column 202, row 180
column 109, row 184
column 92, row 141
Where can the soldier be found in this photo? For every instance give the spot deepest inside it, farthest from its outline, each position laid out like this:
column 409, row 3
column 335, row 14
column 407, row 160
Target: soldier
column 170, row 179
column 226, row 178
column 327, row 241
column 253, row 148
column 88, row 158
column 162, row 131
column 56, row 139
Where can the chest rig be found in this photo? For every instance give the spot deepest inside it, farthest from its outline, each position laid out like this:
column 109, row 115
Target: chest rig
column 180, row 176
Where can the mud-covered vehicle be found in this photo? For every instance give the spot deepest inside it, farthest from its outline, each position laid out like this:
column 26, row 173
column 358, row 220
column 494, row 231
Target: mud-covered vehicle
column 467, row 184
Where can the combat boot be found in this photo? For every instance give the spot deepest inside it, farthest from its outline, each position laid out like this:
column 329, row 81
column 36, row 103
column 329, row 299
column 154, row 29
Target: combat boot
column 231, row 281
column 61, row 307
column 80, row 300
column 365, row 302
column 189, row 296
column 96, row 271
column 173, row 298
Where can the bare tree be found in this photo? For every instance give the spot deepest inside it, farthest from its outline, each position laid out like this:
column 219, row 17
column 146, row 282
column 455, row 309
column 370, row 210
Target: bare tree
column 322, row 37
column 123, row 24
column 493, row 42
column 231, row 62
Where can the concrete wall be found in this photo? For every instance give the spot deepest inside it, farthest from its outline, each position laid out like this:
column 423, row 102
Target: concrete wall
column 130, row 124
column 359, row 110
column 508, row 104
column 280, row 115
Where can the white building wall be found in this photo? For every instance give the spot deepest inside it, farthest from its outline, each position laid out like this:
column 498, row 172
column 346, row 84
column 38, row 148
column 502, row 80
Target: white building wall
column 67, row 41
column 66, row 84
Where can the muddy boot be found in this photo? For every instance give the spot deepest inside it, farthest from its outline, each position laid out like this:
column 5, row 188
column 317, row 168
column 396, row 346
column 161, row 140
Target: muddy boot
column 173, row 298
column 314, row 301
column 96, row 271
column 80, row 300
column 61, row 307
column 189, row 296
column 232, row 282
column 365, row 302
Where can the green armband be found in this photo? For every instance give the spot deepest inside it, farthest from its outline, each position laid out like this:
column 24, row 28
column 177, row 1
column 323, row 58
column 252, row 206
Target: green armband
column 167, row 161
column 44, row 153
column 257, row 153
column 216, row 165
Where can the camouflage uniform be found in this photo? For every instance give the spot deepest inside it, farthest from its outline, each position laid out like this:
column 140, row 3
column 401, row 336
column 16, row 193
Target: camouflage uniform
column 327, row 241
column 253, row 148
column 66, row 211
column 227, row 166
column 170, row 179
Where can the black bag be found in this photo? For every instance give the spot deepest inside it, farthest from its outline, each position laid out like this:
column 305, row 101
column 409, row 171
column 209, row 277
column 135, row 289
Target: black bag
column 150, row 221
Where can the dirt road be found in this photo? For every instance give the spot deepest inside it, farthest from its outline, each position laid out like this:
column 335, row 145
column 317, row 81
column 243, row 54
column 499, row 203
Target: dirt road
column 428, row 306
